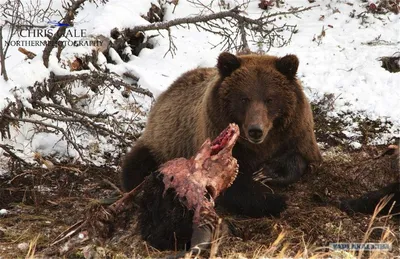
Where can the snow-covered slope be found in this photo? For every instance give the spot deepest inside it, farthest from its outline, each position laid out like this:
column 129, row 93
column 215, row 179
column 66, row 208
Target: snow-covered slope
column 341, row 62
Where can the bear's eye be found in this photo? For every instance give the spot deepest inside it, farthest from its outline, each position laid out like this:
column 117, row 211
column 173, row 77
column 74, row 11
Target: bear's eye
column 268, row 100
column 245, row 100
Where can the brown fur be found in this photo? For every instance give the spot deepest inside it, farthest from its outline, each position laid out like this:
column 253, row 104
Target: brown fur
column 254, row 91
column 187, row 113
column 259, row 93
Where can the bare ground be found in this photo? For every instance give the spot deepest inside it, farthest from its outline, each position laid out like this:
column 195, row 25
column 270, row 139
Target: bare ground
column 43, row 203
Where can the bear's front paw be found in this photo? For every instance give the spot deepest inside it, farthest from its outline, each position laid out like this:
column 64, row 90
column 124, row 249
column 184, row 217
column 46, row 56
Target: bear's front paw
column 274, row 175
column 265, row 175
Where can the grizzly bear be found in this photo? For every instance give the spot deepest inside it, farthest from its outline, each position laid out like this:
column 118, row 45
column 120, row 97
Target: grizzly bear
column 261, row 94
column 367, row 203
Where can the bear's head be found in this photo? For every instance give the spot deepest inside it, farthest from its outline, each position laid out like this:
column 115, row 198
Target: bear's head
column 260, row 93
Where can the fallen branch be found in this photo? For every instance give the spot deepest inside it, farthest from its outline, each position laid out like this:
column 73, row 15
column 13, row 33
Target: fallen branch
column 90, row 124
column 57, row 108
column 124, row 203
column 27, row 53
column 99, row 78
column 233, row 13
column 8, row 150
column 237, row 26
column 70, row 111
column 48, row 125
column 101, row 219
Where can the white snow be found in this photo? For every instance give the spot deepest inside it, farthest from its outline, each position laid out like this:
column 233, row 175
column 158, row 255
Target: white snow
column 342, row 63
column 355, row 145
column 50, row 144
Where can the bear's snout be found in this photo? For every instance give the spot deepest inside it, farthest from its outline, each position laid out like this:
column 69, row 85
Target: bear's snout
column 255, row 133
column 257, row 123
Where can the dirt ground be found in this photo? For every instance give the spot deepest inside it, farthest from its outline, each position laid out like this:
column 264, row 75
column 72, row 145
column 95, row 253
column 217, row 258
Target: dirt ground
column 43, row 203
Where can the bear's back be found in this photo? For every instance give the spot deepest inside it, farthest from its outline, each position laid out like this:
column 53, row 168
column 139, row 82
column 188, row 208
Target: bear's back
column 172, row 127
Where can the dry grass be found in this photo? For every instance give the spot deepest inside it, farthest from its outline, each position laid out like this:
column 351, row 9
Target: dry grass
column 32, row 248
column 42, row 205
column 282, row 247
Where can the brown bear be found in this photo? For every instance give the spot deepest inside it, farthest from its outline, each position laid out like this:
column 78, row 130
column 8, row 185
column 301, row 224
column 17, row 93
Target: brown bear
column 262, row 95
column 368, row 202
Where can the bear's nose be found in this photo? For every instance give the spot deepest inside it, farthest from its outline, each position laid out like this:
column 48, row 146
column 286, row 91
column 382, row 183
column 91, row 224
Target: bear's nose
column 255, row 132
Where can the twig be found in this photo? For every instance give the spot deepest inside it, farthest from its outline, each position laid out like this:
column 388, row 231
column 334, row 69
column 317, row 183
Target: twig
column 188, row 20
column 115, row 208
column 61, row 115
column 3, row 56
column 234, row 18
column 104, row 77
column 18, row 176
column 53, row 127
column 27, row 53
column 73, row 111
column 120, row 205
column 233, row 13
column 113, row 186
column 172, row 47
column 82, row 120
column 68, row 19
column 68, row 232
column 7, row 148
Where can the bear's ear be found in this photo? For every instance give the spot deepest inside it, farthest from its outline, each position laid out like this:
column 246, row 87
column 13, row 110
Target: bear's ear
column 288, row 65
column 227, row 63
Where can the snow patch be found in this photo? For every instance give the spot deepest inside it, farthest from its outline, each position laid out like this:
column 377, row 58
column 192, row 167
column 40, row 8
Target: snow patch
column 341, row 63
column 355, row 145
column 50, row 144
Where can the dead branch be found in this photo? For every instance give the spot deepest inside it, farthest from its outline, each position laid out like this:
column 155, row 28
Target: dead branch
column 57, row 128
column 101, row 219
column 172, row 47
column 71, row 11
column 20, row 15
column 127, row 43
column 63, row 113
column 101, row 78
column 15, row 11
column 27, row 53
column 245, row 44
column 124, row 203
column 26, row 15
column 8, row 150
column 232, row 26
column 234, row 13
column 73, row 112
column 3, row 56
column 82, row 120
